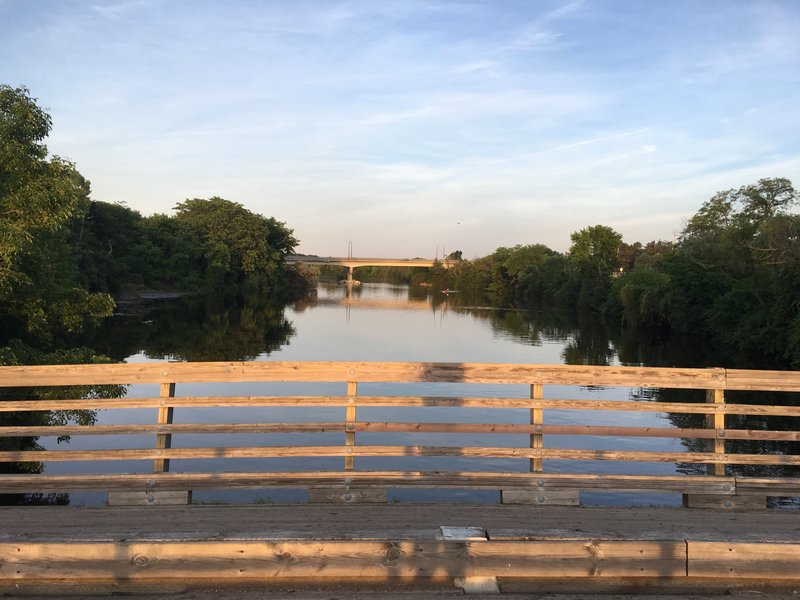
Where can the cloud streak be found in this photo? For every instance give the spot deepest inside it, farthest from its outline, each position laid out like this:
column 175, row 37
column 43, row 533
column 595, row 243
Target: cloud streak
column 389, row 123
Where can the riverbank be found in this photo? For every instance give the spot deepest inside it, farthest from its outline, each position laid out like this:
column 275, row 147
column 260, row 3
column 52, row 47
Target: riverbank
column 134, row 296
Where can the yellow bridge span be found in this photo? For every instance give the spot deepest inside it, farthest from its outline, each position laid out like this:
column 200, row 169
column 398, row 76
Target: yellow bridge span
column 351, row 263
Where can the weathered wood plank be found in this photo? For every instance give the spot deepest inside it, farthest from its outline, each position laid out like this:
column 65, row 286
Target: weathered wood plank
column 716, row 422
column 399, row 479
column 768, row 486
column 43, row 375
column 165, row 413
column 772, row 381
column 537, row 423
column 404, row 401
column 540, row 497
column 732, row 379
column 282, row 521
column 398, row 427
column 347, row 494
column 719, row 502
column 174, row 428
column 743, row 560
column 150, row 498
column 400, row 451
column 350, row 418
column 536, row 430
column 264, row 559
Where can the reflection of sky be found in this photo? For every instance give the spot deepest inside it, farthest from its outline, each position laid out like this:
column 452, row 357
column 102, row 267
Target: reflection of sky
column 402, row 332
column 382, row 334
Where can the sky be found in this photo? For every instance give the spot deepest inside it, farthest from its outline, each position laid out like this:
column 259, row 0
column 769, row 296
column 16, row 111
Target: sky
column 419, row 127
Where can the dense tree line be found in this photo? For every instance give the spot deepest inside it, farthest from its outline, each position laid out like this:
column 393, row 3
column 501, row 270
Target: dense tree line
column 211, row 244
column 64, row 257
column 732, row 279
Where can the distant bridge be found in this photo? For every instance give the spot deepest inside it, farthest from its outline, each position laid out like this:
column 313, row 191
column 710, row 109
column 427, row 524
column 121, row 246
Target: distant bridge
column 352, row 262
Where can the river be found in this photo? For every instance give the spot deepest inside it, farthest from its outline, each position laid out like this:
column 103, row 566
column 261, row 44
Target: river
column 378, row 322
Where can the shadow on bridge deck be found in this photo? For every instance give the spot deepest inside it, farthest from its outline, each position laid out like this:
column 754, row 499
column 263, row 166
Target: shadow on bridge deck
column 542, row 547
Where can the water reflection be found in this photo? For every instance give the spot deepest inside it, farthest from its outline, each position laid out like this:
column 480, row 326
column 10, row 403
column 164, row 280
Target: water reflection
column 382, row 322
column 41, row 419
column 197, row 328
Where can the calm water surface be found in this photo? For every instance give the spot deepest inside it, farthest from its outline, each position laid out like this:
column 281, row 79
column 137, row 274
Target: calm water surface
column 375, row 322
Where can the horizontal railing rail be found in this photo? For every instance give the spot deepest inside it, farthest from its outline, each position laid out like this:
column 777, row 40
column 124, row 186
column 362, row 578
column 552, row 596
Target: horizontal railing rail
column 709, row 443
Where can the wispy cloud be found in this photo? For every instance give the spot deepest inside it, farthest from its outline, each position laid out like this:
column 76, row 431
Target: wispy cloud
column 520, row 120
column 571, row 145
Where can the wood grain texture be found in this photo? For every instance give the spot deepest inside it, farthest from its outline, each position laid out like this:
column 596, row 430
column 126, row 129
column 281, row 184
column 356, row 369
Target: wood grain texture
column 208, row 544
column 743, row 560
column 264, row 559
column 83, row 523
column 199, row 372
column 403, row 401
column 731, row 379
column 398, row 479
column 394, row 451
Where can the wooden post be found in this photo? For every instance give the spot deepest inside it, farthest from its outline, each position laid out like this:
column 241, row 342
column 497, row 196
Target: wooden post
column 537, row 418
column 164, row 440
column 539, row 495
column 348, row 493
column 716, row 422
column 160, row 465
column 350, row 423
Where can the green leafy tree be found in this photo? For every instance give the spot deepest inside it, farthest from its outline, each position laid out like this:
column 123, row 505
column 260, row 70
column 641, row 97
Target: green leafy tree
column 594, row 250
column 40, row 295
column 733, row 278
column 37, row 195
column 594, row 256
column 239, row 247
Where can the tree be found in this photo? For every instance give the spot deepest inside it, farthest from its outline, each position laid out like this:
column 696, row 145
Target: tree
column 595, row 250
column 39, row 291
column 767, row 198
column 239, row 246
column 37, row 195
column 594, row 256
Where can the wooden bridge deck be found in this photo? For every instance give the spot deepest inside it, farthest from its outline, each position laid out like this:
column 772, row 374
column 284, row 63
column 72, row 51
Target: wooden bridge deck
column 365, row 521
column 535, row 546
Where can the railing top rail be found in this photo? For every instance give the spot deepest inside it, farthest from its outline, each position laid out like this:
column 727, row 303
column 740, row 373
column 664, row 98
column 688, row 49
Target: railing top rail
column 410, row 372
column 400, row 372
column 401, row 401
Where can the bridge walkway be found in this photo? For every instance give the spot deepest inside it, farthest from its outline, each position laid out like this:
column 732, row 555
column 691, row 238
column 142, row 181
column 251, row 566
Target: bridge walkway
column 610, row 549
column 361, row 521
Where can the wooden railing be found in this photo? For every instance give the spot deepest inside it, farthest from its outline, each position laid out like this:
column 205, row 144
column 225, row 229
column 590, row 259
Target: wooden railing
column 521, row 471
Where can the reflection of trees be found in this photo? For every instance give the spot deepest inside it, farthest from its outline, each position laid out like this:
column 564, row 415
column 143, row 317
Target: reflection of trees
column 662, row 349
column 585, row 339
column 752, row 422
column 309, row 300
column 47, row 418
column 589, row 344
column 200, row 328
column 532, row 328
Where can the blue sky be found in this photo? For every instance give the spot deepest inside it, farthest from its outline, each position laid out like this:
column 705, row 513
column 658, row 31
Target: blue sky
column 406, row 126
